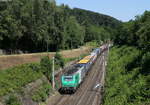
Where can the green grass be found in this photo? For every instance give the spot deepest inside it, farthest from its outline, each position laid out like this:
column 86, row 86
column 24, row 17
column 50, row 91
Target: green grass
column 42, row 93
column 11, row 80
column 125, row 84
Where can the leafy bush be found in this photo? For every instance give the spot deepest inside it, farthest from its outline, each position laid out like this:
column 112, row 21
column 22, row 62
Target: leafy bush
column 66, row 60
column 42, row 93
column 46, row 66
column 146, row 63
column 125, row 85
column 59, row 61
column 13, row 79
column 13, row 100
column 92, row 43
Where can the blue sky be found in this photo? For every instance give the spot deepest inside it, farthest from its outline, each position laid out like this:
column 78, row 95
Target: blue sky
column 123, row 10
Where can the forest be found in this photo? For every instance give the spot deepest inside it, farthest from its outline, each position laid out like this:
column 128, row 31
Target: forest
column 135, row 32
column 128, row 70
column 41, row 25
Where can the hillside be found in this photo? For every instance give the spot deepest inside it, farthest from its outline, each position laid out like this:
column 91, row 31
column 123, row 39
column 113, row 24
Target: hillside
column 94, row 18
column 128, row 71
column 125, row 82
column 30, row 84
column 39, row 26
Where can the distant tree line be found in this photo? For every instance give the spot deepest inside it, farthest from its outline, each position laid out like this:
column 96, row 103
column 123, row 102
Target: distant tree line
column 90, row 17
column 40, row 25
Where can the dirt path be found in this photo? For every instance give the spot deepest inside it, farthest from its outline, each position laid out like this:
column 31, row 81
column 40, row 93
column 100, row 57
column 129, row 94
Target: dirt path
column 86, row 94
column 7, row 61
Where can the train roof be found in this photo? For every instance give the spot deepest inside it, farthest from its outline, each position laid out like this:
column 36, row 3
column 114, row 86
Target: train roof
column 71, row 71
column 74, row 69
column 85, row 59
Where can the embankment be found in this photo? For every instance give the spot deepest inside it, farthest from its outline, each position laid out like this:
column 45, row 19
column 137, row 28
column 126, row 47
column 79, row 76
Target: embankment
column 7, row 61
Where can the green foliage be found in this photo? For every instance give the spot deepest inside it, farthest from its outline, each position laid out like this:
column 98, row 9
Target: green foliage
column 59, row 60
column 13, row 79
column 75, row 33
column 135, row 32
column 94, row 18
column 42, row 93
column 66, row 60
column 13, row 100
column 46, row 66
column 145, row 64
column 39, row 26
column 98, row 34
column 125, row 86
column 92, row 44
column 144, row 35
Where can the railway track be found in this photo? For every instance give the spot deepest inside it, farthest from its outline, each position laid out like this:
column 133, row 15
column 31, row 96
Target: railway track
column 86, row 94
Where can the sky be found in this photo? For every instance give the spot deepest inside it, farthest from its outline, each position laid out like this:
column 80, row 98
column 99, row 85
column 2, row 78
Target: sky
column 123, row 10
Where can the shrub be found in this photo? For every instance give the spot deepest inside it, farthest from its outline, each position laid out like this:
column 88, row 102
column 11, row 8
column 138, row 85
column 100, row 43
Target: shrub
column 59, row 60
column 35, row 67
column 125, row 85
column 93, row 44
column 15, row 78
column 46, row 66
column 13, row 100
column 146, row 63
column 42, row 93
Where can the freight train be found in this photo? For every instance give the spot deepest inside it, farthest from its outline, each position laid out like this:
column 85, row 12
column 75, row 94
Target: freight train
column 72, row 79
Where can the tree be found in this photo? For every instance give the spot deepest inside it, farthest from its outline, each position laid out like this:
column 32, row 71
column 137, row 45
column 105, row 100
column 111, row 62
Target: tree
column 11, row 30
column 75, row 33
column 40, row 25
column 144, row 34
column 96, row 33
column 46, row 67
column 59, row 60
